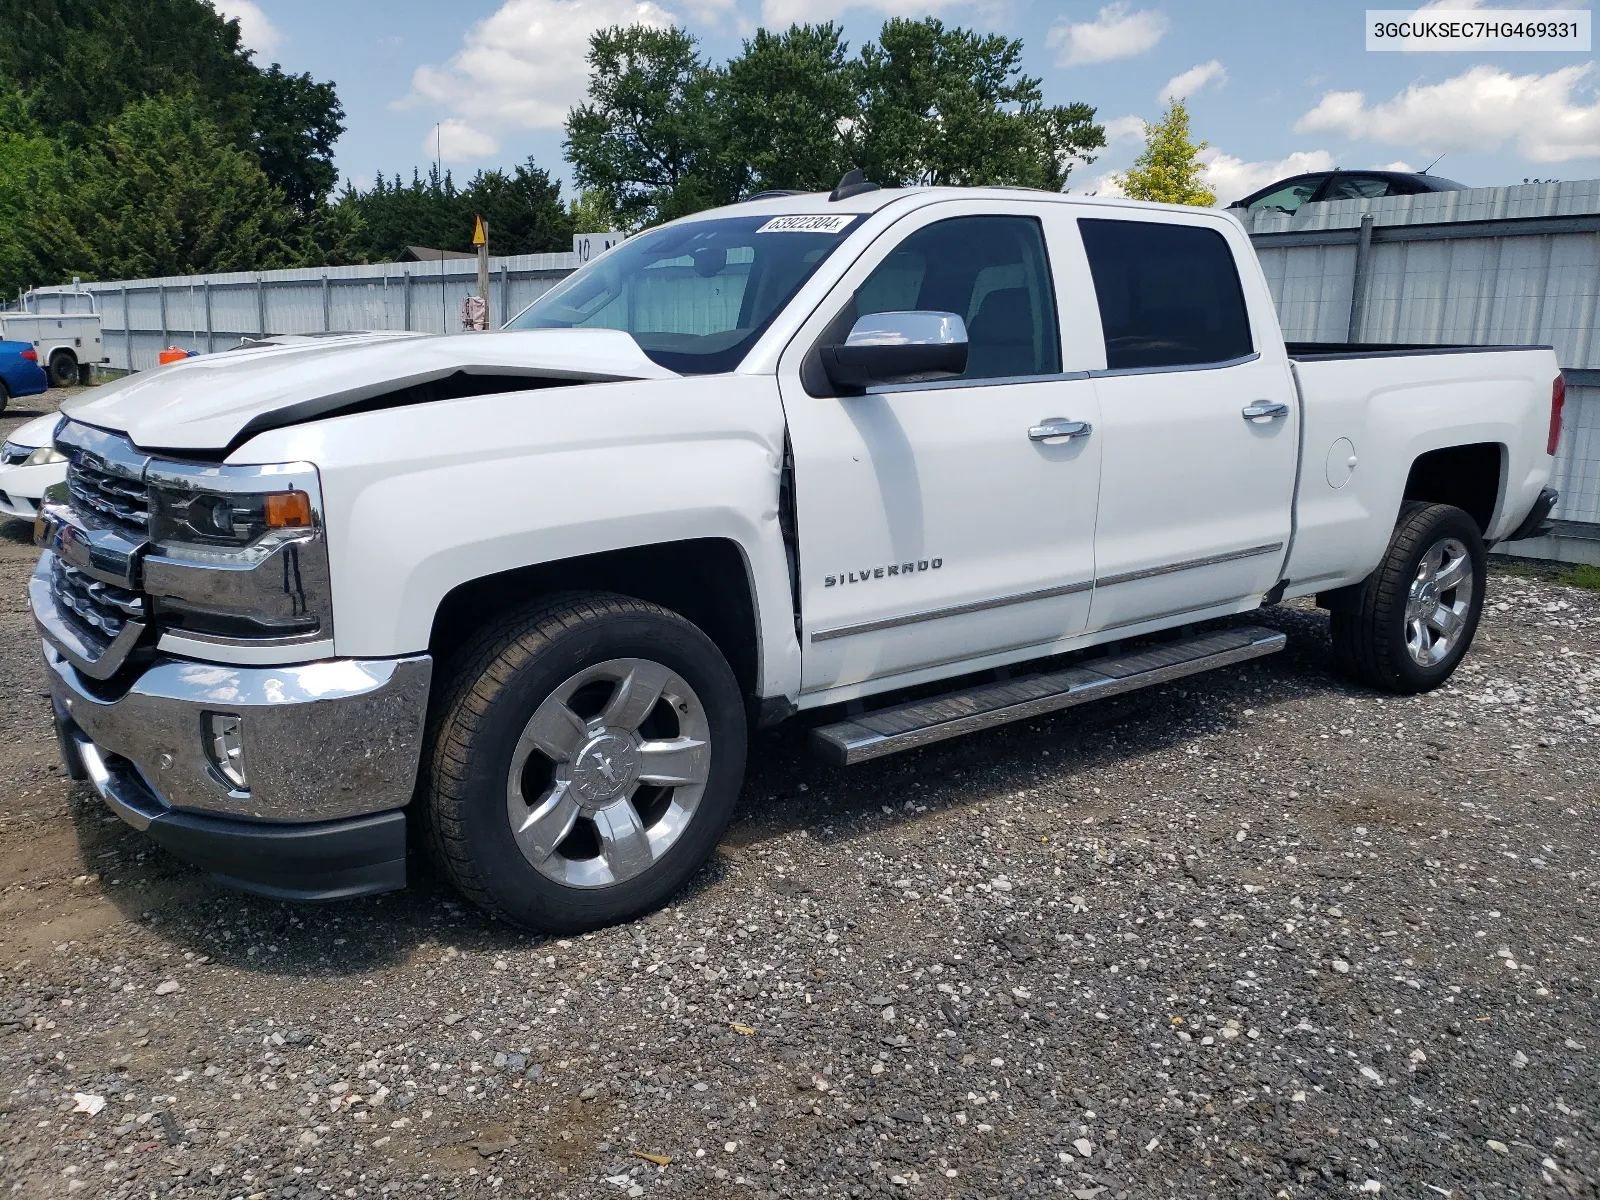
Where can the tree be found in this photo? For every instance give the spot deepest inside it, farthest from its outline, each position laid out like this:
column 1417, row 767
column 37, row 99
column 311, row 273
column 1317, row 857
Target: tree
column 786, row 108
column 591, row 212
column 36, row 239
column 295, row 122
column 644, row 138
column 161, row 192
column 952, row 107
column 663, row 134
column 80, row 63
column 1169, row 167
column 523, row 208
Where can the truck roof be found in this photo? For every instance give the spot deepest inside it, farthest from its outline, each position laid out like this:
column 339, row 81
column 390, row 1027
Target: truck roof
column 779, row 203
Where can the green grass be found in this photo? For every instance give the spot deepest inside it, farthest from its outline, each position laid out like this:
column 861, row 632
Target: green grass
column 1582, row 575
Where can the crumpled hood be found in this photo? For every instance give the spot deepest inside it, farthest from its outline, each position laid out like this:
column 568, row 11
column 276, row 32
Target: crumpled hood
column 213, row 402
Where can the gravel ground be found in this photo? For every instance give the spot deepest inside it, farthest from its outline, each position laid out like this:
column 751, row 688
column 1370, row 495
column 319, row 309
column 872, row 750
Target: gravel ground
column 1259, row 934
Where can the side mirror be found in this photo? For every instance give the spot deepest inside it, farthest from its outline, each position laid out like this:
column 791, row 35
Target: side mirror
column 897, row 347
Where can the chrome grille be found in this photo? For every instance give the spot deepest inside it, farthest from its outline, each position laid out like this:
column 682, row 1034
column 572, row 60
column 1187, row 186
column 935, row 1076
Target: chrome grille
column 102, row 608
column 122, row 501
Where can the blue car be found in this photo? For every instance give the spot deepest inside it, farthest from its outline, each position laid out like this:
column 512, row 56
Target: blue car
column 20, row 372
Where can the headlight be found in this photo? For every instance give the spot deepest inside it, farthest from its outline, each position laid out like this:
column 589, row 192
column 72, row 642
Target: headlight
column 237, row 519
column 43, row 456
column 238, row 552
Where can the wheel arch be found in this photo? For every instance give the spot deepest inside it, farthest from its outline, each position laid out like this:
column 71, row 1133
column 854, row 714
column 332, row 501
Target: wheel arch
column 1470, row 477
column 708, row 581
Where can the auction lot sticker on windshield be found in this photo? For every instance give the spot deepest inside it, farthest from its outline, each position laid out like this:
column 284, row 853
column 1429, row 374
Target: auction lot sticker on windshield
column 818, row 223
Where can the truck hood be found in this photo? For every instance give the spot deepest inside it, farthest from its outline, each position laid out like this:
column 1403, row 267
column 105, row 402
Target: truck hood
column 215, row 402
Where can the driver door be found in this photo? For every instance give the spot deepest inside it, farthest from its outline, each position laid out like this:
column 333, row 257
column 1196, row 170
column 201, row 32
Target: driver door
column 933, row 529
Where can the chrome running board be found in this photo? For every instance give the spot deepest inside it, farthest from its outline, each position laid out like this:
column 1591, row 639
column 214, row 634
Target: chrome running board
column 906, row 726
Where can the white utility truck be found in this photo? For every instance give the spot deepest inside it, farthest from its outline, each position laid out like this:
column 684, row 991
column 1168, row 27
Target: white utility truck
column 64, row 330
column 913, row 462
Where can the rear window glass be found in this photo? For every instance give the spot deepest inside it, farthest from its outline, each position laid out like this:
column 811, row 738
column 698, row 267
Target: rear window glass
column 1169, row 295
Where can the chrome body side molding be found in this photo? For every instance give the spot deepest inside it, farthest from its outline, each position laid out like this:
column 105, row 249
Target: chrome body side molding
column 957, row 610
column 1189, row 564
column 954, row 610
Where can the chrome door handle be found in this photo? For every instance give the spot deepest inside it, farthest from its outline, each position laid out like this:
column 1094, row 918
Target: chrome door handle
column 1059, row 427
column 1265, row 410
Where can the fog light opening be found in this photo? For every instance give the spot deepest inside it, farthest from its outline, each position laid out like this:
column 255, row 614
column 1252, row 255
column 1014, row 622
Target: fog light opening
column 225, row 747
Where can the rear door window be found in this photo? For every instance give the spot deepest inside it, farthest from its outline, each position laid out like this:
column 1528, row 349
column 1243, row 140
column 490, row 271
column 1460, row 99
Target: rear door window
column 1169, row 295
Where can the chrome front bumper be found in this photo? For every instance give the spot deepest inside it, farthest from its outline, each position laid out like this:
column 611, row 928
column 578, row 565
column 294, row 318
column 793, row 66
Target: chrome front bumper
column 323, row 740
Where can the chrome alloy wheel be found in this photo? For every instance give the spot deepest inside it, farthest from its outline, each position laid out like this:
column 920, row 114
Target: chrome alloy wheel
column 1438, row 602
column 608, row 772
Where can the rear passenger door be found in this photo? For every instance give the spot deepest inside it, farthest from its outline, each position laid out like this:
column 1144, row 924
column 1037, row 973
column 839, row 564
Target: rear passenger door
column 1200, row 423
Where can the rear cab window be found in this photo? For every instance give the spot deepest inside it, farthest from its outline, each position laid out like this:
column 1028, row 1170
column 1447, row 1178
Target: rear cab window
column 1169, row 295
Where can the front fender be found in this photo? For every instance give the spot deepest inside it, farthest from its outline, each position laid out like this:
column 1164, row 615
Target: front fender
column 422, row 500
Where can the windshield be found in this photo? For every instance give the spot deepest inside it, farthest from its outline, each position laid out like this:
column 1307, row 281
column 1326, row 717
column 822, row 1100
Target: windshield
column 694, row 296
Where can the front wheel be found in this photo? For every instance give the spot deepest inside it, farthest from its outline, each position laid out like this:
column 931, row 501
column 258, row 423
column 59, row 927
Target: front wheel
column 584, row 761
column 1407, row 625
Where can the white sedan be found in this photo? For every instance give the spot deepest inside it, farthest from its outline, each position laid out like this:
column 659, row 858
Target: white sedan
column 28, row 465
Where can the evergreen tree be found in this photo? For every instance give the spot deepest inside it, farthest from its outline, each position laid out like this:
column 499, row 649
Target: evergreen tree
column 161, row 192
column 523, row 209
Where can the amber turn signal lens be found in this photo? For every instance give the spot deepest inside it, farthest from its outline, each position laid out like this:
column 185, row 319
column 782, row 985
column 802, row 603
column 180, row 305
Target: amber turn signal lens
column 288, row 510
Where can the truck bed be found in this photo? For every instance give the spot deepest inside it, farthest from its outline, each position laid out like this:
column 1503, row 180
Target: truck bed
column 1323, row 351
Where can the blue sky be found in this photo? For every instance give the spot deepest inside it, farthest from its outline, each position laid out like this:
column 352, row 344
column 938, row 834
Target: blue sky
column 1273, row 87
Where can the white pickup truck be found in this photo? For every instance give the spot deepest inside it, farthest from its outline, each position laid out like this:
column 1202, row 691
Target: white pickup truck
column 929, row 460
column 64, row 330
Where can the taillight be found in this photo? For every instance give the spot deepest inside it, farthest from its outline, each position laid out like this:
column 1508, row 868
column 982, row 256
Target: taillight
column 1558, row 401
column 31, row 355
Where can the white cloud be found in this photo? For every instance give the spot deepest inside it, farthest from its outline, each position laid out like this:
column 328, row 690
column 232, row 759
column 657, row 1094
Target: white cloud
column 1108, row 184
column 1232, row 178
column 1115, row 33
column 1483, row 108
column 780, row 14
column 1192, row 80
column 456, row 141
column 522, row 67
column 255, row 30
column 1123, row 129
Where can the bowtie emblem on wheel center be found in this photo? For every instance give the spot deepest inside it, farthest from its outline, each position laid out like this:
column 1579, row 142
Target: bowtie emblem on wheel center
column 605, row 768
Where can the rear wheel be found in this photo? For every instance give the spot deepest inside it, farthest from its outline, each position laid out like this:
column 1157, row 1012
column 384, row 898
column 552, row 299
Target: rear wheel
column 5, row 396
column 1408, row 624
column 63, row 369
column 585, row 760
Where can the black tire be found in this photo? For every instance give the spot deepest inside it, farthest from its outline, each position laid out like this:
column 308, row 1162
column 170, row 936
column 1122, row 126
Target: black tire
column 489, row 695
column 5, row 396
column 1370, row 621
column 63, row 369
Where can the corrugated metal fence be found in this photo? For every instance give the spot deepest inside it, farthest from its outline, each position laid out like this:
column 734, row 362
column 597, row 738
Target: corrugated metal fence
column 1490, row 265
column 140, row 317
column 1511, row 265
